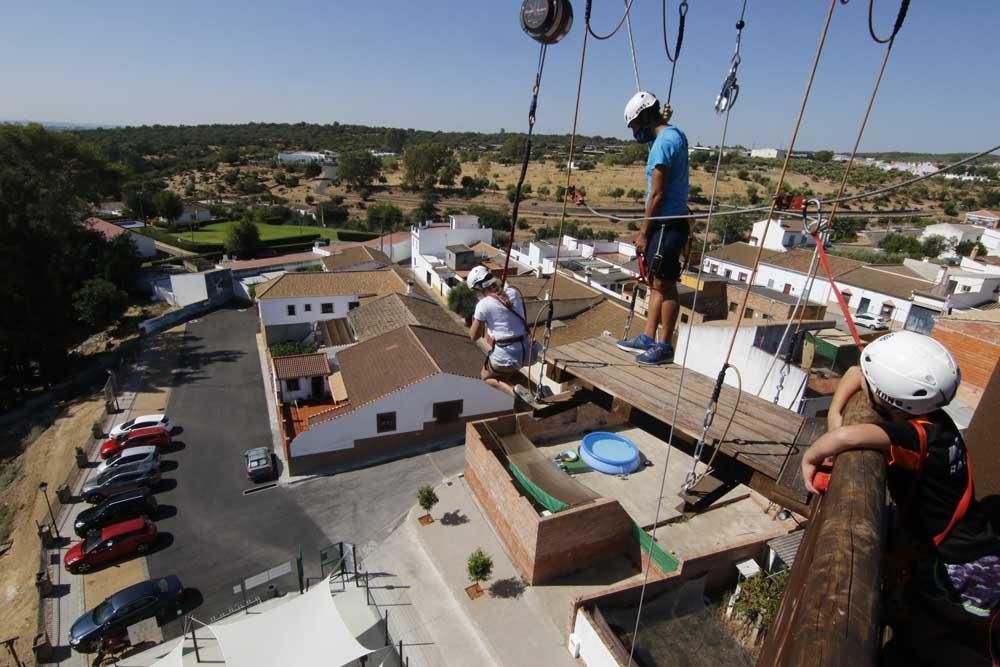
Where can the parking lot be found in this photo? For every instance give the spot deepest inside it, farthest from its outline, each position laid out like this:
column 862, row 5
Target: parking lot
column 220, row 535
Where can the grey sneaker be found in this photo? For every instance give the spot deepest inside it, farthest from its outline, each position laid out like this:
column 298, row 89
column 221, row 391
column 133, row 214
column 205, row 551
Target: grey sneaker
column 658, row 353
column 640, row 343
column 523, row 393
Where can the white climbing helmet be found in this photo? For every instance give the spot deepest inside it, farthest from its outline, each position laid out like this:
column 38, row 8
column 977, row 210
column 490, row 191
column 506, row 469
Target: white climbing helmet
column 911, row 372
column 480, row 278
column 639, row 103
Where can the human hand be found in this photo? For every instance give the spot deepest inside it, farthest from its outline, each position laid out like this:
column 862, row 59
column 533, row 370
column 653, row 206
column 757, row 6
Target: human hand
column 640, row 245
column 811, row 464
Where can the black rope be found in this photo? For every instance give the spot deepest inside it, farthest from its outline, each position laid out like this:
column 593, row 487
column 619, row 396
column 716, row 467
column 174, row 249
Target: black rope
column 900, row 17
column 682, row 11
column 525, row 159
column 586, row 20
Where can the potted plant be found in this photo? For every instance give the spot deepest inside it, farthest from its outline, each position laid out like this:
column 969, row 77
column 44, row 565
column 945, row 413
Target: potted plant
column 427, row 499
column 480, row 567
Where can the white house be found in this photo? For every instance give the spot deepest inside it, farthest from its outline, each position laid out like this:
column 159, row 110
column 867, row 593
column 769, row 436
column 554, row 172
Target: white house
column 984, row 217
column 780, row 235
column 404, row 390
column 145, row 246
column 429, row 248
column 768, row 153
column 291, row 304
column 954, row 233
column 982, row 264
column 396, row 245
column 301, row 377
column 882, row 290
column 991, row 240
column 193, row 213
column 304, row 156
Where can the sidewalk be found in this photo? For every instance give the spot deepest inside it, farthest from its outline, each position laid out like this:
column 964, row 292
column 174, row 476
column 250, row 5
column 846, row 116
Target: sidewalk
column 145, row 390
column 510, row 617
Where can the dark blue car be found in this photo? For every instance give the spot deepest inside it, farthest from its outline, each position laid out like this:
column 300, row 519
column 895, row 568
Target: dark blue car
column 159, row 598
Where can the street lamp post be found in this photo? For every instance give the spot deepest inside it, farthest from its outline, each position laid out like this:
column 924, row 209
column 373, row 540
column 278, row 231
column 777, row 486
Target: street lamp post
column 43, row 487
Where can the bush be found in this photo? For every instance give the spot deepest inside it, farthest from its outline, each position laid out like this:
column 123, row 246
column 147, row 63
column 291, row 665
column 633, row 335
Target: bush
column 99, row 302
column 291, row 348
column 479, row 566
column 760, row 597
column 426, row 498
column 242, row 238
column 345, row 235
column 462, row 300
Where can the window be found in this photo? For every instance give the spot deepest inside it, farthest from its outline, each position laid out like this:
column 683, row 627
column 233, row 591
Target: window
column 292, row 385
column 684, row 318
column 748, row 313
column 787, row 289
column 732, row 306
column 291, row 310
column 309, row 307
column 966, row 288
column 326, row 308
column 352, row 305
column 742, row 277
column 770, row 283
column 715, row 268
column 728, row 273
column 385, row 422
column 447, row 411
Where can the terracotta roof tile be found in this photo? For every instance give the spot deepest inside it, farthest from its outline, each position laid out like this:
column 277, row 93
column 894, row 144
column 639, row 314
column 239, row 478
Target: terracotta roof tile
column 277, row 260
column 534, row 289
column 301, row 366
column 341, row 283
column 605, row 316
column 799, row 259
column 355, row 256
column 398, row 310
column 742, row 254
column 886, row 282
column 109, row 230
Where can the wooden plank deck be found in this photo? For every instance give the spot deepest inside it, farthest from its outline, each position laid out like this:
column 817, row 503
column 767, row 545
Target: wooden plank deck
column 761, row 433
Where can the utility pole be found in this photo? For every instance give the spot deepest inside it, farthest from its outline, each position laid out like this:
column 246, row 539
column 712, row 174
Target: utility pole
column 43, row 487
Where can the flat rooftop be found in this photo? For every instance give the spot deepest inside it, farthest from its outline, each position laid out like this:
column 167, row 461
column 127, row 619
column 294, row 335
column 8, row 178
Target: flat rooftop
column 638, row 491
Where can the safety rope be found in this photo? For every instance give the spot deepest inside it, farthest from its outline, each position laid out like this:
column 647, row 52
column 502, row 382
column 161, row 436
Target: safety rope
column 524, row 160
column 900, row 17
column 687, row 346
column 682, row 10
column 631, row 48
column 590, row 30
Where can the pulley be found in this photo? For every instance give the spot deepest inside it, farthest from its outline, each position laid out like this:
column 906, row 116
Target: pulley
column 546, row 21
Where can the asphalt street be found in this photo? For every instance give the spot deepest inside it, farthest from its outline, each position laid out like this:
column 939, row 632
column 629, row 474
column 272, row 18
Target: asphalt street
column 220, row 535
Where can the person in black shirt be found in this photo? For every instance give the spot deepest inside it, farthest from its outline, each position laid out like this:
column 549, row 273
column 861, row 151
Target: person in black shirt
column 909, row 378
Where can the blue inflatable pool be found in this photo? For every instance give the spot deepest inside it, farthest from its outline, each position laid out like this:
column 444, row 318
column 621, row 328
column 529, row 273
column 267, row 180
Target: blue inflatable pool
column 610, row 453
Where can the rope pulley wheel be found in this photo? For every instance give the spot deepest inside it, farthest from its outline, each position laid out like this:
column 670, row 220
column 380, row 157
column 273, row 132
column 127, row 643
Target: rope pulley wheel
column 546, row 21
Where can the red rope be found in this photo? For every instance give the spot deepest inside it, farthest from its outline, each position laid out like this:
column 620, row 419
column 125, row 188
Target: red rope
column 840, row 297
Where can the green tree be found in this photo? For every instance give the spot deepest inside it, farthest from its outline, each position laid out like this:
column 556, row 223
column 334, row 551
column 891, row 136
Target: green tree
column 634, row 153
column 121, row 262
column 229, row 154
column 312, row 170
column 99, row 302
column 694, row 192
column 513, row 148
column 483, row 168
column 358, row 168
column 423, row 164
column 823, row 156
column 544, row 191
column 617, row 193
column 479, row 566
column 384, row 217
column 426, row 498
column 639, row 195
column 965, row 248
column 949, row 208
column 242, row 238
column 449, row 171
column 168, row 205
column 462, row 300
column 394, row 139
column 493, row 218
column 902, row 244
column 753, row 196
column 936, row 245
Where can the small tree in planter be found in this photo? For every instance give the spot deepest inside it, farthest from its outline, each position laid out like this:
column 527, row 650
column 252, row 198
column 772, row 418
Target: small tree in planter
column 480, row 567
column 427, row 499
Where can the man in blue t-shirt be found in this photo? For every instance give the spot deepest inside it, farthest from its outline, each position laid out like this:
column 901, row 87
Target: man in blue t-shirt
column 661, row 243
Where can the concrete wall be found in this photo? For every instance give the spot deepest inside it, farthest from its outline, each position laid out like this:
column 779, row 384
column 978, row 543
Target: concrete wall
column 304, row 392
column 285, row 333
column 414, row 407
column 175, row 317
column 899, row 313
column 423, row 269
column 975, row 346
column 762, row 305
column 215, row 286
column 592, row 648
column 434, row 240
column 275, row 311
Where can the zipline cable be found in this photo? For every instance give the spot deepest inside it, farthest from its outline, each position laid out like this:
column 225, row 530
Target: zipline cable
column 590, row 30
column 525, row 159
column 687, row 346
column 631, row 48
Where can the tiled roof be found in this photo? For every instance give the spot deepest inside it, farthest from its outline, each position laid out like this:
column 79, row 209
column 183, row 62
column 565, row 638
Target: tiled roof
column 459, row 248
column 301, row 366
column 336, row 331
column 591, row 323
column 402, row 357
column 397, row 310
column 740, row 253
column 886, row 282
column 985, row 213
column 267, row 262
column 341, row 283
column 355, row 256
column 395, row 237
column 104, row 227
column 534, row 289
column 799, row 259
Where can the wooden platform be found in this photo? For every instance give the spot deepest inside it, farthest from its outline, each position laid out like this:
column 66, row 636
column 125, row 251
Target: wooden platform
column 762, row 435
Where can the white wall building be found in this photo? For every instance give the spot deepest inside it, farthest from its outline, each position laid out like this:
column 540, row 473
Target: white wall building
column 987, row 264
column 954, row 233
column 304, row 156
column 301, row 377
column 429, row 248
column 991, row 240
column 768, row 153
column 780, row 235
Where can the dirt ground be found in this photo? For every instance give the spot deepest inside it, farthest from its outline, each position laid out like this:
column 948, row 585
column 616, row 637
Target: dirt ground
column 48, row 458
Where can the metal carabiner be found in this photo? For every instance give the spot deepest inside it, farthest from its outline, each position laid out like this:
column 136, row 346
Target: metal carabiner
column 813, row 226
column 730, row 88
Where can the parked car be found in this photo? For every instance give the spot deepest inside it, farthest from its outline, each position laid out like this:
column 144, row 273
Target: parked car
column 159, row 598
column 145, row 474
column 119, row 507
column 145, row 421
column 259, row 463
column 873, row 322
column 131, row 455
column 154, row 435
column 134, row 536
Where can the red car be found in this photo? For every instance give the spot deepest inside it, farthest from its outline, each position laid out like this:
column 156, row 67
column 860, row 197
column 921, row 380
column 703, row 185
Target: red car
column 135, row 536
column 155, row 435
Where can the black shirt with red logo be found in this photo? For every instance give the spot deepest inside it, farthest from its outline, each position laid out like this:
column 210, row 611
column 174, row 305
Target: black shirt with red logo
column 929, row 493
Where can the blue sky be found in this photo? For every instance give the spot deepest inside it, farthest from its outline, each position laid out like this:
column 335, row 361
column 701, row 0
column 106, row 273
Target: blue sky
column 449, row 65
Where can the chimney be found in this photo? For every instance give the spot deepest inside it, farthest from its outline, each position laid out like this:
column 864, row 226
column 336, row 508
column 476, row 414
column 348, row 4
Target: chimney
column 409, row 288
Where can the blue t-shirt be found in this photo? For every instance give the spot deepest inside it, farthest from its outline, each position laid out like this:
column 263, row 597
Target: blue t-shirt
column 670, row 148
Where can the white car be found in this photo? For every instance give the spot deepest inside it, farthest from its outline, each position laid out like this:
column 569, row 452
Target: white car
column 145, row 421
column 873, row 322
column 130, row 455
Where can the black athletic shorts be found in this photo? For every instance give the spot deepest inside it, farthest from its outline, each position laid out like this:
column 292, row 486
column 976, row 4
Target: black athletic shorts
column 665, row 250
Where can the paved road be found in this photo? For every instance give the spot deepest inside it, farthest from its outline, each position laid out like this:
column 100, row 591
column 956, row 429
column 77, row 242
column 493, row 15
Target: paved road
column 220, row 535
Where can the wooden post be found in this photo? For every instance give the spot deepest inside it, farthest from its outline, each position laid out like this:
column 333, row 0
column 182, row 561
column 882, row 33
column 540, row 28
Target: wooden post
column 980, row 439
column 830, row 611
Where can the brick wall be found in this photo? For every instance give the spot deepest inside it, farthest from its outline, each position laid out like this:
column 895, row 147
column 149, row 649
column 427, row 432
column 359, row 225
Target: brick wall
column 975, row 346
column 541, row 548
column 762, row 305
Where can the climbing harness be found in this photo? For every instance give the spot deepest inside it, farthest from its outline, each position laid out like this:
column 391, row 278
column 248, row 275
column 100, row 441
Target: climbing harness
column 546, row 21
column 731, row 87
column 525, row 159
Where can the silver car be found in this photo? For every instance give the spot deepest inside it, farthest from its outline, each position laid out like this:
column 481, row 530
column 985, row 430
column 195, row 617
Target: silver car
column 144, row 474
column 131, row 455
column 259, row 464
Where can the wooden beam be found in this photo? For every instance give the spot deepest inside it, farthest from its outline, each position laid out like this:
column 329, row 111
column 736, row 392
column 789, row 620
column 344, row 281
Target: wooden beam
column 980, row 439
